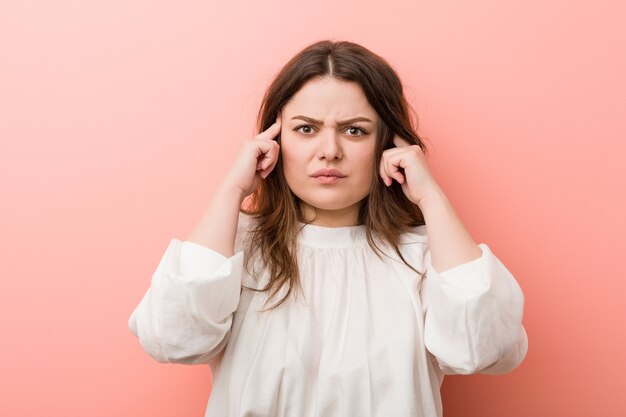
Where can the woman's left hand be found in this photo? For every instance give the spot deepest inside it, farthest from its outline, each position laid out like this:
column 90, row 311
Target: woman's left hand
column 417, row 182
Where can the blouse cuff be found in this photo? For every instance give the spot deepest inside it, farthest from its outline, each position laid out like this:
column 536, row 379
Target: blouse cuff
column 190, row 261
column 196, row 259
column 472, row 275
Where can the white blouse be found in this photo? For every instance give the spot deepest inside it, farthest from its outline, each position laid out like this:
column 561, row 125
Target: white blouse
column 370, row 337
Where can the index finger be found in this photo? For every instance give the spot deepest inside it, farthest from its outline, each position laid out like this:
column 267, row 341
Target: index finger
column 398, row 141
column 271, row 131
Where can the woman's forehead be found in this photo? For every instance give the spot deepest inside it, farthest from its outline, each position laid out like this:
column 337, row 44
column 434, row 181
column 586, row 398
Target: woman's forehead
column 330, row 100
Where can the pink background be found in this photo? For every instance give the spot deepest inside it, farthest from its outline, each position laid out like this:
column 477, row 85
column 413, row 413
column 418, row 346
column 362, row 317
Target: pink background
column 118, row 119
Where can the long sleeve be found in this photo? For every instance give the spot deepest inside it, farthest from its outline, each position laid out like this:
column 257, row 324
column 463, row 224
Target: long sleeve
column 473, row 316
column 185, row 316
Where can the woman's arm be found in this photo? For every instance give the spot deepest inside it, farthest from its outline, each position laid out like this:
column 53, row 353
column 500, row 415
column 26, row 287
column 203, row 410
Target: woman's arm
column 450, row 242
column 218, row 225
column 473, row 316
column 474, row 319
column 256, row 160
column 472, row 304
column 186, row 313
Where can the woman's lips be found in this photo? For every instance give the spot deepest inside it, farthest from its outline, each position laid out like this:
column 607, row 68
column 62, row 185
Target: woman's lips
column 328, row 179
column 328, row 176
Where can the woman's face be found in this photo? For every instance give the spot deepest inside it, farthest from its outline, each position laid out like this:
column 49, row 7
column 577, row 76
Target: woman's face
column 329, row 125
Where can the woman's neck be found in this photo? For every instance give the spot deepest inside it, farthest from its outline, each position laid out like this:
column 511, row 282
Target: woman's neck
column 343, row 217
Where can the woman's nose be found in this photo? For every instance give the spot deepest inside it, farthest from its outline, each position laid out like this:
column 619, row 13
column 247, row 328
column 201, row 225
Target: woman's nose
column 330, row 146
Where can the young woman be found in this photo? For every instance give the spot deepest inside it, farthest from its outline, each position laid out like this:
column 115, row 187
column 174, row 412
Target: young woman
column 331, row 212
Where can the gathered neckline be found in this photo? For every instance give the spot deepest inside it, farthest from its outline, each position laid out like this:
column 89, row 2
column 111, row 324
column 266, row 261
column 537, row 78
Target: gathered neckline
column 331, row 237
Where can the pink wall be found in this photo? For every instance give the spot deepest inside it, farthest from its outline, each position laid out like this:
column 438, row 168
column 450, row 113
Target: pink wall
column 118, row 119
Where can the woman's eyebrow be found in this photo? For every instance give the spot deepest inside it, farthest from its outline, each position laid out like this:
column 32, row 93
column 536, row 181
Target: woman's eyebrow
column 339, row 123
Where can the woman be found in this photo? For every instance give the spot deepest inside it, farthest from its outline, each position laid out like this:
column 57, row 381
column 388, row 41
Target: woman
column 380, row 290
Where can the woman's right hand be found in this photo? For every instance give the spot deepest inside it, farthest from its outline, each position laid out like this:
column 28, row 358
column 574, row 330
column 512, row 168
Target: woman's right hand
column 256, row 159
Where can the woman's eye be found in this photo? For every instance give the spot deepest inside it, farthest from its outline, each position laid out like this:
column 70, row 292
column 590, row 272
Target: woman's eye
column 304, row 127
column 357, row 130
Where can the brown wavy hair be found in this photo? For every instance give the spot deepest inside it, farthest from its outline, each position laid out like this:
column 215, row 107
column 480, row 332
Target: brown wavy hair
column 386, row 212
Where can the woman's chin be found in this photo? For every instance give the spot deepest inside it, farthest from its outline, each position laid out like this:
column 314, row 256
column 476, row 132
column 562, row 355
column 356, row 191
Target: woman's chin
column 333, row 204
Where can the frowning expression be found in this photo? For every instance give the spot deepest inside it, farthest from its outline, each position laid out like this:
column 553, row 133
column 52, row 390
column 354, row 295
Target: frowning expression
column 328, row 138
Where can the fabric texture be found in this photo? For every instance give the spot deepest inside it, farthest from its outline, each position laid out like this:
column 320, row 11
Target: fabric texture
column 368, row 336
